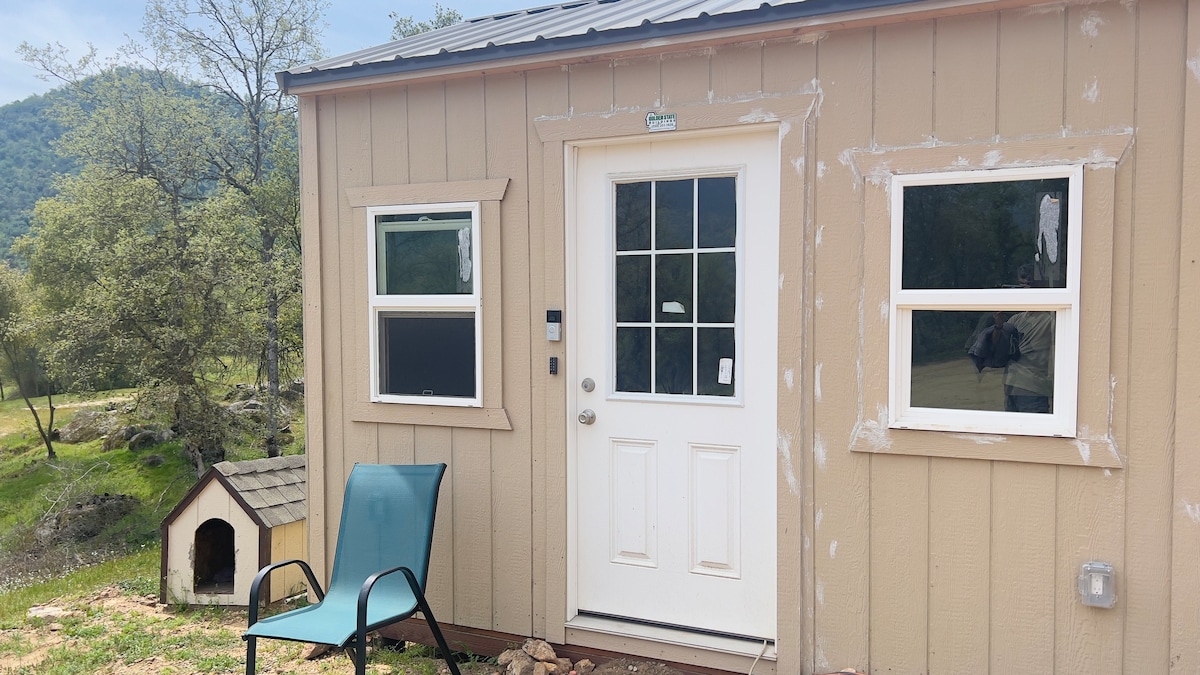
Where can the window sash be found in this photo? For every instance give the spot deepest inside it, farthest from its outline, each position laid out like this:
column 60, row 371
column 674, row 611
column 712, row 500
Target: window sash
column 385, row 304
column 1063, row 301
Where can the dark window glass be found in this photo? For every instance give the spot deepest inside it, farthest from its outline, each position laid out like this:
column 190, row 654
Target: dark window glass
column 717, row 217
column 673, row 288
column 427, row 354
column 633, row 359
column 633, row 288
column 428, row 254
column 983, row 360
column 633, row 217
column 673, row 360
column 716, row 282
column 986, row 235
column 712, row 345
column 673, row 219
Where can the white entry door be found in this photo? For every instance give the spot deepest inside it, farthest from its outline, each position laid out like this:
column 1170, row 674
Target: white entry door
column 674, row 367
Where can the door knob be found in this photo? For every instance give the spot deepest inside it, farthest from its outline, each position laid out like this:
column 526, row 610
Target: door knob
column 588, row 416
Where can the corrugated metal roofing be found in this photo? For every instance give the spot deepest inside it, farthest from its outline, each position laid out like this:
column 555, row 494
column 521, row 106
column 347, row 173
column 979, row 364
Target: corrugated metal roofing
column 274, row 487
column 561, row 27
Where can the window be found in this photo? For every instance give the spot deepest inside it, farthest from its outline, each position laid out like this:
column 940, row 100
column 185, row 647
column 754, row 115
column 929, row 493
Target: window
column 425, row 304
column 985, row 300
column 675, row 286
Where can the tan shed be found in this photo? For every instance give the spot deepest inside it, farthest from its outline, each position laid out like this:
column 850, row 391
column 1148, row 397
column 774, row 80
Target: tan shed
column 238, row 518
column 787, row 335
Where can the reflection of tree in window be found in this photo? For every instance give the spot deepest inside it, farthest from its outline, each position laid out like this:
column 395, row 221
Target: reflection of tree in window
column 426, row 257
column 976, row 236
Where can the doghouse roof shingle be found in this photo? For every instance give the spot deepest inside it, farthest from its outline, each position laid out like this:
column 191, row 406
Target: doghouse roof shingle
column 274, row 487
column 562, row 27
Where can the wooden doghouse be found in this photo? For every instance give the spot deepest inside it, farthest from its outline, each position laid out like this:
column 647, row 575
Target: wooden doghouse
column 238, row 518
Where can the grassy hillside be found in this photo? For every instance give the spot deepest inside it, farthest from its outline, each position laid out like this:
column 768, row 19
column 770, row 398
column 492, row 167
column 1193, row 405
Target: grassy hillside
column 89, row 504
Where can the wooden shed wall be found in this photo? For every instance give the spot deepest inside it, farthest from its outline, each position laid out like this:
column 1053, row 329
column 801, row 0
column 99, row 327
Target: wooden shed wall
column 901, row 563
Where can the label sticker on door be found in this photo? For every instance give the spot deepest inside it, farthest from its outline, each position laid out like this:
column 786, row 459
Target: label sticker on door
column 725, row 371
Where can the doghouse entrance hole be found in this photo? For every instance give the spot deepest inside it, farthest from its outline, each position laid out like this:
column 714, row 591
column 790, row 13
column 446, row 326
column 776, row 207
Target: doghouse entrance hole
column 214, row 557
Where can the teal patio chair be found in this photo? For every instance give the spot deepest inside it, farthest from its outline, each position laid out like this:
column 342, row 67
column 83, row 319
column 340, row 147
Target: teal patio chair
column 387, row 527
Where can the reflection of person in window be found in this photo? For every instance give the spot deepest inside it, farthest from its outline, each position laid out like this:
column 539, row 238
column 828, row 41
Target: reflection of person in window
column 1029, row 380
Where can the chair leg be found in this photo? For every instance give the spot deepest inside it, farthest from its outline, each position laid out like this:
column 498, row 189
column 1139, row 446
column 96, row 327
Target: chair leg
column 250, row 649
column 360, row 653
column 437, row 634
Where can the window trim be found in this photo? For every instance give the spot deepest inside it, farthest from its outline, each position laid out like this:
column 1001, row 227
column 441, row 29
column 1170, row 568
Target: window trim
column 1064, row 302
column 379, row 304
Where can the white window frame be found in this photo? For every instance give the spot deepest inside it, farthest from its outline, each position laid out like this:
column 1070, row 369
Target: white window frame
column 1064, row 302
column 448, row 303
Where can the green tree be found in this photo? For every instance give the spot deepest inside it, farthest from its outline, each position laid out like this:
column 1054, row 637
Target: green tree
column 235, row 47
column 139, row 279
column 22, row 331
column 405, row 26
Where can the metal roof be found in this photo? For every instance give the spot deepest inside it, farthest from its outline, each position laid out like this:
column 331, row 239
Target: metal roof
column 561, row 27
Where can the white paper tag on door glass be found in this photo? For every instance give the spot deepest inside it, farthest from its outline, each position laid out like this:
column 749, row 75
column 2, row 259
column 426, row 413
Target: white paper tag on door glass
column 725, row 372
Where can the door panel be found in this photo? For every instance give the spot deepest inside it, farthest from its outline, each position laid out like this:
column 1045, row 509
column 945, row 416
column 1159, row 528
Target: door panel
column 676, row 287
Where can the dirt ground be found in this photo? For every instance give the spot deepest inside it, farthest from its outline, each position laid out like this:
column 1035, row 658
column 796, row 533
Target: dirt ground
column 41, row 645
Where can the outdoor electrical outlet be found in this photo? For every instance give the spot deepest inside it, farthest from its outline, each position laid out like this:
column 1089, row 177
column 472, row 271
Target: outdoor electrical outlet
column 1096, row 585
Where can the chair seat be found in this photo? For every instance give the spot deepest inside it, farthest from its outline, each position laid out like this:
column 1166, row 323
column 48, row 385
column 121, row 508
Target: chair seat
column 332, row 620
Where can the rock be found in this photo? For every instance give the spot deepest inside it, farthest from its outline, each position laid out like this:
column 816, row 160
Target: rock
column 317, row 651
column 56, row 626
column 143, row 440
column 564, row 665
column 88, row 425
column 48, row 612
column 113, row 441
column 154, row 460
column 585, row 667
column 540, row 650
column 543, row 668
column 507, row 655
column 521, row 663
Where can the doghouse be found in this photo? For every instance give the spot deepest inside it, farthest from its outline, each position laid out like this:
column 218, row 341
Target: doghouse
column 238, row 518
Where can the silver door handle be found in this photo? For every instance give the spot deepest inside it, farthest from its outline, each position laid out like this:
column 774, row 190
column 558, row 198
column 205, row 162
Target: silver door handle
column 588, row 416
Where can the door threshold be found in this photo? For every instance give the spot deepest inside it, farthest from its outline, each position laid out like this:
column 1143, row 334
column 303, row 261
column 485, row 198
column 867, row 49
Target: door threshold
column 744, row 647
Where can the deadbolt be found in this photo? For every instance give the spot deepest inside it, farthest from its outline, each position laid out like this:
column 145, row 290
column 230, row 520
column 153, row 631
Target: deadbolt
column 588, row 416
column 588, row 384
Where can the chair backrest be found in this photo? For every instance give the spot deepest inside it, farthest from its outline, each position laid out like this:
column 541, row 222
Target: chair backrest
column 387, row 521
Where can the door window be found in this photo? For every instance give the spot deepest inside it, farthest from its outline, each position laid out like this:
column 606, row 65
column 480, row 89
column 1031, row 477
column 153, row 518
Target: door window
column 676, row 286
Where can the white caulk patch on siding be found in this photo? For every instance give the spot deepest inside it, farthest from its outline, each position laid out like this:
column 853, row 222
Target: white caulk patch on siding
column 1193, row 65
column 789, row 378
column 980, row 439
column 798, row 165
column 819, row 301
column 992, row 158
column 817, row 382
column 1193, row 511
column 885, row 308
column 846, row 157
column 820, row 233
column 819, row 450
column 833, row 549
column 820, row 592
column 819, row 518
column 1091, row 92
column 784, row 443
column 781, row 278
column 874, row 432
column 1090, row 25
column 755, row 116
column 785, row 127
column 821, row 169
column 1085, row 450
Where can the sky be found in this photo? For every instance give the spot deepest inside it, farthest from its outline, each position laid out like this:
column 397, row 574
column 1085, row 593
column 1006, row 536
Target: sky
column 352, row 25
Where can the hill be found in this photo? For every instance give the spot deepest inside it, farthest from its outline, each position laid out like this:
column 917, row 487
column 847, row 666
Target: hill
column 28, row 162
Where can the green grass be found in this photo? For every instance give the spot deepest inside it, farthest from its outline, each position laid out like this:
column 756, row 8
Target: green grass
column 139, row 570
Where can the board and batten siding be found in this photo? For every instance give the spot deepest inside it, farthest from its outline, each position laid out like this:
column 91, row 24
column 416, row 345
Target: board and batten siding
column 907, row 552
